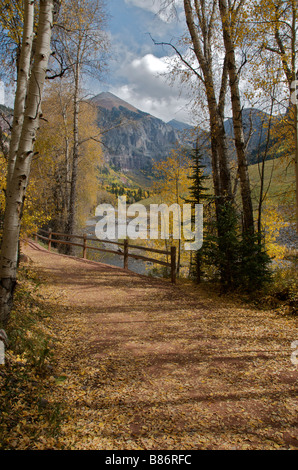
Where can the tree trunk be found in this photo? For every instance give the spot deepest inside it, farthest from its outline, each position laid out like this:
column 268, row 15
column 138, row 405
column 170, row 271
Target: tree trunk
column 262, row 194
column 19, row 181
column 66, row 170
column 296, row 159
column 218, row 135
column 295, row 74
column 22, row 83
column 202, row 46
column 248, row 219
column 75, row 157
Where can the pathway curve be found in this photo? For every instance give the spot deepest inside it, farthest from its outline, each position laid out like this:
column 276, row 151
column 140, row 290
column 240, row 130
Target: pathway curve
column 142, row 364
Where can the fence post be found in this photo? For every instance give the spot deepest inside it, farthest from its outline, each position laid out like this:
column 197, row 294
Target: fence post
column 50, row 239
column 125, row 254
column 35, row 236
column 173, row 264
column 85, row 246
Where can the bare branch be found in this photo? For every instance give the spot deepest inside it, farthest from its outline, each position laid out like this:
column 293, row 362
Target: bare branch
column 185, row 62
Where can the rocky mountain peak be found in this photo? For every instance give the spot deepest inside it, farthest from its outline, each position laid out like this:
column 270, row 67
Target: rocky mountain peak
column 136, row 139
column 109, row 101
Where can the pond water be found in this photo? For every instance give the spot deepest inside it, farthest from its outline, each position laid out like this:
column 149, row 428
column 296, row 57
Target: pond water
column 135, row 265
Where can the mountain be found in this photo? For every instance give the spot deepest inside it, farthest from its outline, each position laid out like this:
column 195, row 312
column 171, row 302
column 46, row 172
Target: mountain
column 109, row 101
column 255, row 125
column 180, row 126
column 132, row 139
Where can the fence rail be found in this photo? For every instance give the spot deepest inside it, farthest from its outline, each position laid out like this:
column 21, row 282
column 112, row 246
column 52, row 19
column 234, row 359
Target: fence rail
column 125, row 245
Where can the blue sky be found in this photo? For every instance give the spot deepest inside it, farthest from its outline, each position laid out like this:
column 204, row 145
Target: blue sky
column 137, row 66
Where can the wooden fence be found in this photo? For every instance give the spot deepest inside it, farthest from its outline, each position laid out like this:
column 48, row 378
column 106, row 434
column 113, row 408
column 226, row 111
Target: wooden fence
column 48, row 238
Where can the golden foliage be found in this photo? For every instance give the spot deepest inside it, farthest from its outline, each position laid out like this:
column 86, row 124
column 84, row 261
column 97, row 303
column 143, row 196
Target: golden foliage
column 53, row 166
column 172, row 187
column 273, row 222
column 33, row 213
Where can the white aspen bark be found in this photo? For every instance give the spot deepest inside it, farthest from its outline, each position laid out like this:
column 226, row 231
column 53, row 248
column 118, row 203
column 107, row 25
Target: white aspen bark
column 248, row 218
column 19, row 180
column 204, row 57
column 22, row 82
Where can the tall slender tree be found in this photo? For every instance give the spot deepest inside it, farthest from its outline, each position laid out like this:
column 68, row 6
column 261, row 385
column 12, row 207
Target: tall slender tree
column 17, row 186
column 51, row 169
column 80, row 40
column 274, row 29
column 22, row 82
column 229, row 17
column 198, row 194
column 201, row 22
column 216, row 29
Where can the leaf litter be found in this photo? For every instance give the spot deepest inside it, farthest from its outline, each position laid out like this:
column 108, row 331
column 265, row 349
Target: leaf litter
column 141, row 364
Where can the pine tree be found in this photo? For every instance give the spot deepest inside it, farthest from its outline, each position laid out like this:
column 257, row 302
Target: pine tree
column 198, row 195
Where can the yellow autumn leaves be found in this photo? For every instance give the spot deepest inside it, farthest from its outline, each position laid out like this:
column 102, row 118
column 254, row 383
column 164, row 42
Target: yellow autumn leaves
column 52, row 167
column 46, row 196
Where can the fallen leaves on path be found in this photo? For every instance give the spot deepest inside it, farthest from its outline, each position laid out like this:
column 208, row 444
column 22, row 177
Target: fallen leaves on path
column 141, row 364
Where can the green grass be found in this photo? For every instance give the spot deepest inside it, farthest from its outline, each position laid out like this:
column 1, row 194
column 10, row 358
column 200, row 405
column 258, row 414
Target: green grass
column 132, row 179
column 279, row 181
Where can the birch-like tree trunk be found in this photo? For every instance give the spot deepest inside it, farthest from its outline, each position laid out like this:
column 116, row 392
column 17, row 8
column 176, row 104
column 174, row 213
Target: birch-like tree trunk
column 22, row 83
column 19, row 179
column 75, row 157
column 203, row 51
column 248, row 218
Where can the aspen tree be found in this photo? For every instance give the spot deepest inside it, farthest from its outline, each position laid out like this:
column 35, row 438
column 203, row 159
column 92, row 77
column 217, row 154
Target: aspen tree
column 19, row 180
column 172, row 186
column 228, row 17
column 275, row 28
column 22, row 82
column 81, row 43
column 200, row 19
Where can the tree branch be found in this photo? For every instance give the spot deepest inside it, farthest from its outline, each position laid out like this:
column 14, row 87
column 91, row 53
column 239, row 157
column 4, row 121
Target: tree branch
column 185, row 62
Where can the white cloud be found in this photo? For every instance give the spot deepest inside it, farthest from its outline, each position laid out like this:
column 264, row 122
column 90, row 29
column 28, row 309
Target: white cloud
column 151, row 64
column 147, row 87
column 149, row 5
column 138, row 69
column 166, row 10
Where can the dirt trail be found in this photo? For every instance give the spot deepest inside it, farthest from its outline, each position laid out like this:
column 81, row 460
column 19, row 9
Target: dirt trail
column 143, row 364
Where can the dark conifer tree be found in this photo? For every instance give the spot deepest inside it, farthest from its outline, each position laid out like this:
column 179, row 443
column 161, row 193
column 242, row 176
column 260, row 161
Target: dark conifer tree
column 198, row 195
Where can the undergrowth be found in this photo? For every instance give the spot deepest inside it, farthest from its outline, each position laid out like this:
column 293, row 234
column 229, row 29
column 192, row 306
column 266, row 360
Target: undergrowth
column 282, row 294
column 28, row 417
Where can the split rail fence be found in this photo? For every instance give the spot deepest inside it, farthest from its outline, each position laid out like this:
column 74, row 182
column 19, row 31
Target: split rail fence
column 50, row 237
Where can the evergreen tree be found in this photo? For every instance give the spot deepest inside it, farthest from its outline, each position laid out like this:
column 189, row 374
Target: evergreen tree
column 222, row 245
column 241, row 263
column 198, row 195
